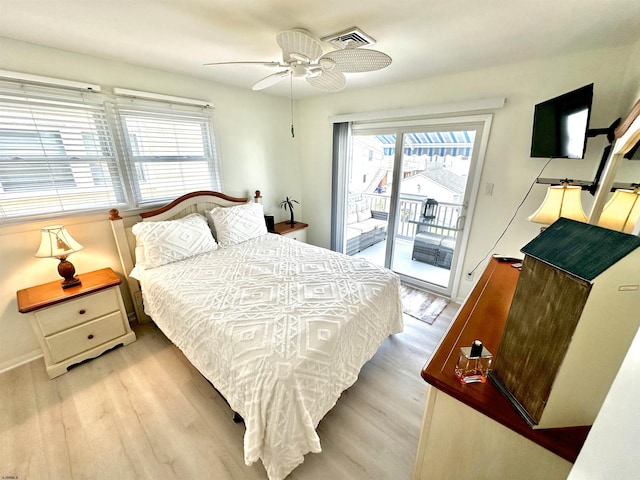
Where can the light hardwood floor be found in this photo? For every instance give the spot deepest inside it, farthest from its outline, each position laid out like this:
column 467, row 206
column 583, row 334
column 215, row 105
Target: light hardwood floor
column 143, row 412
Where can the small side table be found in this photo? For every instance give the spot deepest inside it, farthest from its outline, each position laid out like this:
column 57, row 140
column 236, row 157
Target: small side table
column 77, row 323
column 297, row 231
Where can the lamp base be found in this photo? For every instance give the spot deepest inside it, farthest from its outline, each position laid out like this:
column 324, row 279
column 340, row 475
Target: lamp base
column 72, row 282
column 68, row 272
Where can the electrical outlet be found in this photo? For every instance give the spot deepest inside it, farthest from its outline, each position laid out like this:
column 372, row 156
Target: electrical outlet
column 469, row 276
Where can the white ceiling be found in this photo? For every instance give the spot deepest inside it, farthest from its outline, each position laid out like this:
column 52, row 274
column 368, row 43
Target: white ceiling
column 423, row 37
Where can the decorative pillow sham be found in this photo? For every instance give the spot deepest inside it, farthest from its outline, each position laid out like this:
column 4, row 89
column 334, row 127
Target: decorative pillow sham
column 172, row 240
column 238, row 224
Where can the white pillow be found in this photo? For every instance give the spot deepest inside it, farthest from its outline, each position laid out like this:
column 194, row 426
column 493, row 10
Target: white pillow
column 361, row 205
column 238, row 224
column 363, row 215
column 172, row 240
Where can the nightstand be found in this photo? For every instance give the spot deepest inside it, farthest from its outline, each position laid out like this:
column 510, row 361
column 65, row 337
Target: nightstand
column 77, row 323
column 297, row 231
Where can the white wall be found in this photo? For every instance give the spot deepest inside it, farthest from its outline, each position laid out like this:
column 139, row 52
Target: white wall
column 611, row 449
column 507, row 163
column 632, row 78
column 254, row 141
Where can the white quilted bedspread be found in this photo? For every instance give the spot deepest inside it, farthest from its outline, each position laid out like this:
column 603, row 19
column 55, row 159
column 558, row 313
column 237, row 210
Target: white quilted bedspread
column 281, row 328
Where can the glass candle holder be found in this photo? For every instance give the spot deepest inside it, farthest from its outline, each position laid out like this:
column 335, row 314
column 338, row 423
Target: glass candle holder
column 473, row 364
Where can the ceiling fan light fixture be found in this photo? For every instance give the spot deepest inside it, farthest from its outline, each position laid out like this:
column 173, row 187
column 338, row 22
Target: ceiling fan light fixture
column 314, row 72
column 299, row 70
column 327, row 63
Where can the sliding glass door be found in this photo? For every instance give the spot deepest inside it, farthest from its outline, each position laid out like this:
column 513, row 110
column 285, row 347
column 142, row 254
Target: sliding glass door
column 408, row 191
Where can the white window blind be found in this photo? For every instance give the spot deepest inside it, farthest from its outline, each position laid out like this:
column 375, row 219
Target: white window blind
column 56, row 152
column 65, row 150
column 169, row 149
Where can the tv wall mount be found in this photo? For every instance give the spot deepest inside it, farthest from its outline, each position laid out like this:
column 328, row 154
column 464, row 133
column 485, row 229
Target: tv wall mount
column 592, row 186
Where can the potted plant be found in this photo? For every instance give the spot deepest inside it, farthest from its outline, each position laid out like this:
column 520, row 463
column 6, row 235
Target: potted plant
column 287, row 203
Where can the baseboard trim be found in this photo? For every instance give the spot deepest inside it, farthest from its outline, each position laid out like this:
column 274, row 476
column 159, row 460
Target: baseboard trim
column 21, row 360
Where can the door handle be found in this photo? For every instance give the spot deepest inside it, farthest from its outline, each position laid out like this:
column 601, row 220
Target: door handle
column 460, row 222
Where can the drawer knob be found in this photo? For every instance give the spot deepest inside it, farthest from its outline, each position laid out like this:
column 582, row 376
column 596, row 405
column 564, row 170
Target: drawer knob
column 82, row 312
column 90, row 336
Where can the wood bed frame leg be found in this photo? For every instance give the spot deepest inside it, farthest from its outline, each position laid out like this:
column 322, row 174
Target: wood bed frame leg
column 237, row 418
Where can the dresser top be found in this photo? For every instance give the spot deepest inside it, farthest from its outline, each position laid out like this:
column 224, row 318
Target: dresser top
column 483, row 316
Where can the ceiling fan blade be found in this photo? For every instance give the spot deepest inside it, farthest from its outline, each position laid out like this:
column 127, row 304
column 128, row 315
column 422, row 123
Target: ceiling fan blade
column 266, row 64
column 299, row 43
column 270, row 80
column 328, row 81
column 356, row 60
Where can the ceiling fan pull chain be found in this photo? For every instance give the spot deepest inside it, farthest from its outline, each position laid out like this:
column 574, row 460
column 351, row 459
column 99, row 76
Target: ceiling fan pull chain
column 291, row 103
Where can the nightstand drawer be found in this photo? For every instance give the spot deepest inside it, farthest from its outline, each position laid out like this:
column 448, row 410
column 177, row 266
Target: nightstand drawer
column 84, row 337
column 300, row 235
column 297, row 231
column 69, row 314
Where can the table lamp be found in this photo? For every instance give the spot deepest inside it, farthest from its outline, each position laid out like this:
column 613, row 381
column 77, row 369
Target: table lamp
column 56, row 242
column 560, row 201
column 622, row 211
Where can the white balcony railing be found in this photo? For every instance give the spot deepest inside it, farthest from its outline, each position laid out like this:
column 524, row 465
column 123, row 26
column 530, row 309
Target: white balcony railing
column 445, row 223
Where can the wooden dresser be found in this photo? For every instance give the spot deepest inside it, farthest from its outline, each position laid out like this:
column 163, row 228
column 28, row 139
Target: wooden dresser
column 473, row 431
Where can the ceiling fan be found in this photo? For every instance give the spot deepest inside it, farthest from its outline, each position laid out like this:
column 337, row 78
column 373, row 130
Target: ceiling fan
column 302, row 57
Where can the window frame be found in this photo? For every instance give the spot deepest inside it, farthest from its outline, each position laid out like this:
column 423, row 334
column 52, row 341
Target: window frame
column 125, row 108
column 118, row 178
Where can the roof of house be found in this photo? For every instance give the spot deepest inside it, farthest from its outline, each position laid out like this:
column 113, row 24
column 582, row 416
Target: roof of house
column 454, row 182
column 581, row 249
column 443, row 177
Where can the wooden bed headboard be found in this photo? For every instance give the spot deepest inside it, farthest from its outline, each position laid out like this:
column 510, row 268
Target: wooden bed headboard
column 195, row 202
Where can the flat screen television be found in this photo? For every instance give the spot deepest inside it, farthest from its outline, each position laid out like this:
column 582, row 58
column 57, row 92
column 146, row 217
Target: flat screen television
column 560, row 125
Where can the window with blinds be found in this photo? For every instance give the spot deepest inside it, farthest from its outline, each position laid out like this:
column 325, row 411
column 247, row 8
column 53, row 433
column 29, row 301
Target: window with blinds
column 56, row 152
column 170, row 150
column 65, row 151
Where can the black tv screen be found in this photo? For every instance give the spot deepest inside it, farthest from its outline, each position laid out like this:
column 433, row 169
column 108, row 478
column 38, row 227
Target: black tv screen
column 560, row 125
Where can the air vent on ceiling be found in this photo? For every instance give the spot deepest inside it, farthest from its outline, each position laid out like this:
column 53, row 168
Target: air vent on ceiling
column 351, row 38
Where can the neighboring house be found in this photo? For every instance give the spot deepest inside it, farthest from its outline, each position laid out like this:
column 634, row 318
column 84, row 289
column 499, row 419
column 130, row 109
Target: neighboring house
column 440, row 184
column 372, row 164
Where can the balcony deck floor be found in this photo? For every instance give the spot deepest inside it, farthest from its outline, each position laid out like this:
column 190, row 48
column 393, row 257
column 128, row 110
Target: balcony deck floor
column 403, row 263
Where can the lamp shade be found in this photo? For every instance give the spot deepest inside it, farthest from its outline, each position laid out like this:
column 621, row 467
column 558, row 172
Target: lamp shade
column 57, row 242
column 622, row 211
column 560, row 201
